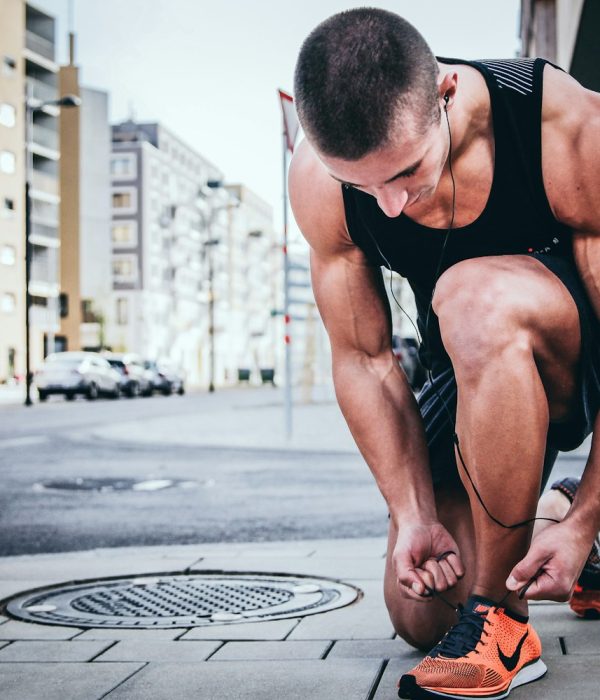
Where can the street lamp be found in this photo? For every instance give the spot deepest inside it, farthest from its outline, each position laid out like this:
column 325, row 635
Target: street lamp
column 31, row 107
column 209, row 243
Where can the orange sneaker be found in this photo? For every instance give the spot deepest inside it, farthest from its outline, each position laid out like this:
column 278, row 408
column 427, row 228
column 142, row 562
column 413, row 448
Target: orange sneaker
column 585, row 602
column 487, row 653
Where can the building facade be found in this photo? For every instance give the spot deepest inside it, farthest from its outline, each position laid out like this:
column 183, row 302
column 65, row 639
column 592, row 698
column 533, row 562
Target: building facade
column 158, row 239
column 28, row 70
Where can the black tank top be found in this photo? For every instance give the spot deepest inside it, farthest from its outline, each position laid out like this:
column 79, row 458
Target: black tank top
column 517, row 218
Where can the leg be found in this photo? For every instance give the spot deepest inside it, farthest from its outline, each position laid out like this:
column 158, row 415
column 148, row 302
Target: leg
column 424, row 624
column 515, row 364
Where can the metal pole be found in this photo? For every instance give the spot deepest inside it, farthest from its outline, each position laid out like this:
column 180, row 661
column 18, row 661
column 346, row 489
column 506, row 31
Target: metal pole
column 286, row 303
column 211, row 316
column 28, row 157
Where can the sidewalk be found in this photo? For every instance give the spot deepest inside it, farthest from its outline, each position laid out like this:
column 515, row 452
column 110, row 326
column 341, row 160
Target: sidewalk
column 349, row 653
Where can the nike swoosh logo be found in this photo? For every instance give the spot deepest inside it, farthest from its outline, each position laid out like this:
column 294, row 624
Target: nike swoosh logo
column 510, row 662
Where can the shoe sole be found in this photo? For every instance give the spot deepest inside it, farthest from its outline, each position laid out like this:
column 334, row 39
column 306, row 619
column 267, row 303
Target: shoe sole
column 529, row 673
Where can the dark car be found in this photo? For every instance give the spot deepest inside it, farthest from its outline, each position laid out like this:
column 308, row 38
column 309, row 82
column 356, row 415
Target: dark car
column 165, row 377
column 406, row 351
column 72, row 373
column 134, row 379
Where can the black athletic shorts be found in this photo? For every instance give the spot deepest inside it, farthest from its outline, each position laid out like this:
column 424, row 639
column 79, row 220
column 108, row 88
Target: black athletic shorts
column 437, row 401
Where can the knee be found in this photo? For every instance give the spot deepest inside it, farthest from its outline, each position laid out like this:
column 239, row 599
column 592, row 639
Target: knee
column 480, row 317
column 413, row 622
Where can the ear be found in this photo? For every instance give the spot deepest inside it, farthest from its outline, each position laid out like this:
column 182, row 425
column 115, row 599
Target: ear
column 447, row 88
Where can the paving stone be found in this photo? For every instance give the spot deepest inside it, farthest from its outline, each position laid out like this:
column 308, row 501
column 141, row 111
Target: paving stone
column 388, row 688
column 234, row 651
column 16, row 630
column 554, row 621
column 37, row 651
column 252, row 680
column 252, row 631
column 340, row 568
column 374, row 649
column 118, row 634
column 585, row 639
column 11, row 587
column 157, row 651
column 3, row 619
column 365, row 619
column 30, row 681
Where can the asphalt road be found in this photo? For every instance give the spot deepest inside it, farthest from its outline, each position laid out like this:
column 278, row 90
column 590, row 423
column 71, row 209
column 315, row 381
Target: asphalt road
column 65, row 488
column 218, row 494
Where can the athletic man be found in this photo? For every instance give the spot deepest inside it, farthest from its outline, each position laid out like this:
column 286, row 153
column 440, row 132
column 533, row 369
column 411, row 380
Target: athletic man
column 475, row 187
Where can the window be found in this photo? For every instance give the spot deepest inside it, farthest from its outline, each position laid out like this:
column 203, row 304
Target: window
column 7, row 114
column 9, row 65
column 8, row 208
column 7, row 162
column 7, row 255
column 122, row 312
column 123, row 166
column 124, row 200
column 124, row 233
column 124, row 268
column 8, row 302
column 121, row 200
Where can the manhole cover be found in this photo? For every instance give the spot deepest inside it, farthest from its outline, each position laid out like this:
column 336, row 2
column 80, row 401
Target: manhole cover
column 180, row 600
column 108, row 484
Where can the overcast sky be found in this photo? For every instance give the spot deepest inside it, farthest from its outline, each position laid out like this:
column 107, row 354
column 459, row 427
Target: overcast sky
column 209, row 71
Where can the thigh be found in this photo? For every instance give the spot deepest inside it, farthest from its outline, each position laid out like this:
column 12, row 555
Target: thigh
column 424, row 624
column 485, row 303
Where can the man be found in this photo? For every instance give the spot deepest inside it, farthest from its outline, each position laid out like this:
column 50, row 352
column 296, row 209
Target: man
column 465, row 180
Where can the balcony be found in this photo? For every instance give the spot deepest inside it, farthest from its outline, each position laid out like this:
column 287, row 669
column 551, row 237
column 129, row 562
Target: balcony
column 44, row 234
column 41, row 91
column 39, row 45
column 44, row 183
column 42, row 136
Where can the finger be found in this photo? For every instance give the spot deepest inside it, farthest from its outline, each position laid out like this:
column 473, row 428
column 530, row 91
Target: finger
column 545, row 587
column 455, row 562
column 526, row 569
column 449, row 573
column 440, row 581
column 410, row 593
column 426, row 578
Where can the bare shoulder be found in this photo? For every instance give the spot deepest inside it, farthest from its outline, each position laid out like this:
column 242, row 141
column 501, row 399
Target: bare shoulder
column 317, row 203
column 571, row 148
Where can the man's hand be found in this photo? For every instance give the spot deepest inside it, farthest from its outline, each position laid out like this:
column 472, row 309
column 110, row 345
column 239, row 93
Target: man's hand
column 555, row 559
column 426, row 556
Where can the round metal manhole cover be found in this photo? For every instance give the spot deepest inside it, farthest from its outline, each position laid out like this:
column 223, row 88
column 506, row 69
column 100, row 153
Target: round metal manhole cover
column 180, row 600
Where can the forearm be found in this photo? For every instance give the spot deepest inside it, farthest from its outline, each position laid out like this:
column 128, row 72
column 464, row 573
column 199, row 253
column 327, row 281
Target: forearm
column 384, row 419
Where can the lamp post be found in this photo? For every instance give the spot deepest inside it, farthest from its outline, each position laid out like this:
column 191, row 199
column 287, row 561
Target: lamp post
column 31, row 107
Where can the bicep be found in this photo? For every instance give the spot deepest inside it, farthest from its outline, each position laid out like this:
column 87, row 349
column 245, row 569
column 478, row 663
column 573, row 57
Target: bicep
column 352, row 303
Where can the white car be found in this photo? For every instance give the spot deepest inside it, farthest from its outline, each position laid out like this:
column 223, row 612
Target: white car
column 72, row 373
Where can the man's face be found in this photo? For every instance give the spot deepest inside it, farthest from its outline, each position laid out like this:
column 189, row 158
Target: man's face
column 399, row 175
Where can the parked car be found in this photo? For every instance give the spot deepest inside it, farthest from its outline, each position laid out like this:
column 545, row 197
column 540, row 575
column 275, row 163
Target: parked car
column 72, row 373
column 165, row 377
column 134, row 379
column 406, row 351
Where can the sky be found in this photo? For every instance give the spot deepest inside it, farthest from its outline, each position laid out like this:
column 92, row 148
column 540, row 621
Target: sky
column 209, row 71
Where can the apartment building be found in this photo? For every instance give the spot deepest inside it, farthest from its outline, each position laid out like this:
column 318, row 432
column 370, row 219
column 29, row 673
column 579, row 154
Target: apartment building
column 28, row 67
column 159, row 300
column 85, row 216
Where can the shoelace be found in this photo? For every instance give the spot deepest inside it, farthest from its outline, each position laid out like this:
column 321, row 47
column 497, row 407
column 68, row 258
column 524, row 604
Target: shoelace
column 464, row 636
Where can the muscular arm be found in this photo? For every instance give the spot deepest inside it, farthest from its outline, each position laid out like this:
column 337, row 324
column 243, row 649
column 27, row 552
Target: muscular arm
column 571, row 170
column 371, row 388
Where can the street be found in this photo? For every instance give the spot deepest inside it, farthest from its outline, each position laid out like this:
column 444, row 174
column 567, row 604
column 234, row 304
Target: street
column 222, row 493
column 183, row 470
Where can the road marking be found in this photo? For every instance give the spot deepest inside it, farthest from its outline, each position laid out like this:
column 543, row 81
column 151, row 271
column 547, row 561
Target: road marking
column 24, row 441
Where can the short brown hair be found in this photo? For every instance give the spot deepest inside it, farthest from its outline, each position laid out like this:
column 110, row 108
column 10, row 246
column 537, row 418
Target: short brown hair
column 355, row 73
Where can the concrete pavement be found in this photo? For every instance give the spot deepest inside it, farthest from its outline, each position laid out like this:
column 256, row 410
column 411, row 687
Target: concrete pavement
column 350, row 652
